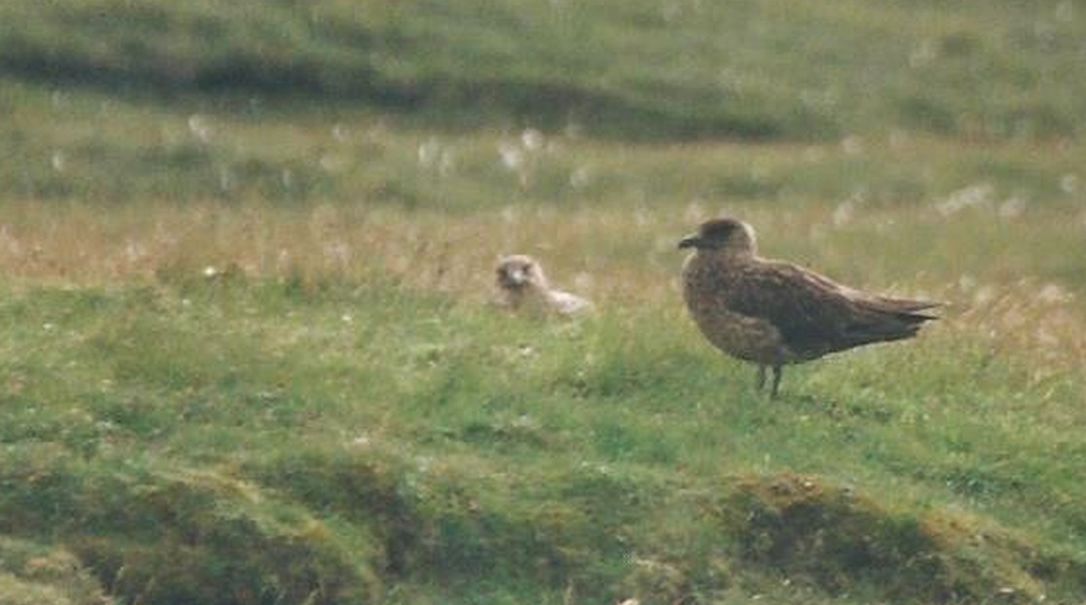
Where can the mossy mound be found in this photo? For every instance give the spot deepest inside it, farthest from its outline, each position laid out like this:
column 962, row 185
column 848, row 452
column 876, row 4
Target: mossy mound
column 32, row 574
column 181, row 536
column 326, row 525
column 844, row 542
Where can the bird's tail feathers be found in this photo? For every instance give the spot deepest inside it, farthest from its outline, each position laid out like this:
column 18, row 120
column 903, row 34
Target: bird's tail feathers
column 888, row 319
column 906, row 309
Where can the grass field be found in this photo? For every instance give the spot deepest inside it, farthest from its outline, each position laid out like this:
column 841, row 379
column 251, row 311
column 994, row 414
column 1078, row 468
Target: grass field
column 249, row 353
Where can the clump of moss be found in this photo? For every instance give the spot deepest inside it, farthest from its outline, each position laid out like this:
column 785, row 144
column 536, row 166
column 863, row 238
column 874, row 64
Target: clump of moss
column 843, row 542
column 362, row 490
column 156, row 534
column 33, row 574
column 216, row 539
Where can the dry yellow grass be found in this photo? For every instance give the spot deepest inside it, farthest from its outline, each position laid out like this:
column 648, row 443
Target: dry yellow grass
column 615, row 256
column 81, row 245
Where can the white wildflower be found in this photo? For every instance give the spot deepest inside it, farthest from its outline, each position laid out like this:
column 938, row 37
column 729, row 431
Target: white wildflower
column 969, row 197
column 58, row 161
column 340, row 133
column 1069, row 183
column 852, row 145
column 532, row 139
column 511, row 156
column 200, row 128
column 429, row 152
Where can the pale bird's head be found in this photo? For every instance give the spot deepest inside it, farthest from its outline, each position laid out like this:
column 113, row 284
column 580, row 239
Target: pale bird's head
column 518, row 271
column 723, row 235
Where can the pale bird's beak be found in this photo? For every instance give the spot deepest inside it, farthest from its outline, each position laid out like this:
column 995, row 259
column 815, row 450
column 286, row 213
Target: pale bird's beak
column 515, row 278
column 690, row 241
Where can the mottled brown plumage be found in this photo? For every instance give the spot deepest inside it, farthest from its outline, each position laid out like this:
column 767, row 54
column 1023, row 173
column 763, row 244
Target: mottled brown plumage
column 775, row 313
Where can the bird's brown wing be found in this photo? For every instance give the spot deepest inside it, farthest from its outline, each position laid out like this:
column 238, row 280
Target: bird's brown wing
column 873, row 301
column 814, row 314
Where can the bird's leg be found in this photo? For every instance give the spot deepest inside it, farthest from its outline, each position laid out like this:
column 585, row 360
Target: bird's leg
column 761, row 377
column 776, row 381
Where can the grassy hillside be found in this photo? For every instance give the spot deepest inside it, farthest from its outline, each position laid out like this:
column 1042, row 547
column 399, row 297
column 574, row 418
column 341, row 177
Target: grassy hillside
column 68, row 145
column 249, row 355
column 329, row 385
column 747, row 69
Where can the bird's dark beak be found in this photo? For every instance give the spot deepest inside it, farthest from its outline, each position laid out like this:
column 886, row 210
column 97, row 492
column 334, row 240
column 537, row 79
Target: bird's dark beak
column 691, row 241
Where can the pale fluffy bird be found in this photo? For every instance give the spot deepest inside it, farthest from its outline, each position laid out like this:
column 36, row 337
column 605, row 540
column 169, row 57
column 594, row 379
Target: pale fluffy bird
column 522, row 285
column 775, row 313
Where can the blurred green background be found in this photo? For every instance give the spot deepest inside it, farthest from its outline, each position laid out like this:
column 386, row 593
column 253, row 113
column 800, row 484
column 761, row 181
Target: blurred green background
column 249, row 350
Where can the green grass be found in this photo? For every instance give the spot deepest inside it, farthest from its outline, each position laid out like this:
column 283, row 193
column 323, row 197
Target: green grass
column 637, row 69
column 429, row 443
column 248, row 355
column 122, row 151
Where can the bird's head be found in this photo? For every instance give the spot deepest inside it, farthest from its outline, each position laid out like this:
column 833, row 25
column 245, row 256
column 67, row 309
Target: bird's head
column 519, row 271
column 727, row 235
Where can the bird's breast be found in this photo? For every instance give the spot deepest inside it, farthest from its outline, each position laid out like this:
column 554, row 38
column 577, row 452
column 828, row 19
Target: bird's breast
column 706, row 292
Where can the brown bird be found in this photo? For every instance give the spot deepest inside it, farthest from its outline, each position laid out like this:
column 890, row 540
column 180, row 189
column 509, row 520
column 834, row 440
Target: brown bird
column 775, row 313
